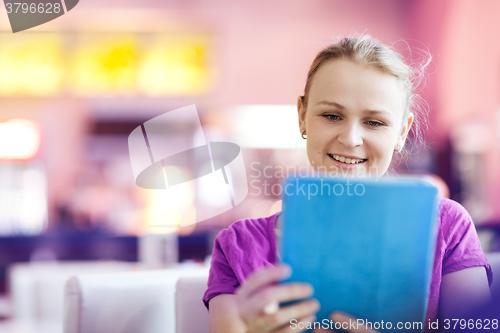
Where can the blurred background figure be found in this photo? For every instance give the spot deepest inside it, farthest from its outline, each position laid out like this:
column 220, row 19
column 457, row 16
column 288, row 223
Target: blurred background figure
column 73, row 89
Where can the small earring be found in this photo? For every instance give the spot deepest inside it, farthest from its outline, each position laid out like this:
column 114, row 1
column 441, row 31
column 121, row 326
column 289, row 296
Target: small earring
column 398, row 149
column 303, row 134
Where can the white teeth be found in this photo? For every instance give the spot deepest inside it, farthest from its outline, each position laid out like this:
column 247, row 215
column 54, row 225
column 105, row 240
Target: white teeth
column 347, row 160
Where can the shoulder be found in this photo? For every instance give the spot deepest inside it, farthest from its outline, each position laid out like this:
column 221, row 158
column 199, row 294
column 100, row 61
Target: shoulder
column 457, row 230
column 243, row 232
column 253, row 227
column 453, row 214
column 449, row 206
column 458, row 239
column 243, row 247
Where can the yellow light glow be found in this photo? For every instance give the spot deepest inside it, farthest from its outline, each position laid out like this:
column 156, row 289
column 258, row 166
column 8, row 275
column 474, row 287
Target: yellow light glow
column 19, row 139
column 97, row 64
column 106, row 66
column 30, row 65
column 190, row 215
column 159, row 214
column 165, row 209
column 174, row 68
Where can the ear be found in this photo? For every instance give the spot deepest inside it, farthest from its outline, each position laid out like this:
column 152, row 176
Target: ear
column 405, row 129
column 302, row 114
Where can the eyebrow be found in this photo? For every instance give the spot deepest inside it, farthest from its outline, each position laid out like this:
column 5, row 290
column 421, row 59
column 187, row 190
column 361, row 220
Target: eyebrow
column 341, row 107
column 337, row 105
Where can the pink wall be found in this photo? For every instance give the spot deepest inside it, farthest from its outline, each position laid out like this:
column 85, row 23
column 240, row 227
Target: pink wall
column 469, row 82
column 264, row 48
column 261, row 48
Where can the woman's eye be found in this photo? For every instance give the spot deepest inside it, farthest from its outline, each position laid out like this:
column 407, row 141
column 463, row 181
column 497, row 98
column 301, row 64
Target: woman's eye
column 332, row 117
column 374, row 123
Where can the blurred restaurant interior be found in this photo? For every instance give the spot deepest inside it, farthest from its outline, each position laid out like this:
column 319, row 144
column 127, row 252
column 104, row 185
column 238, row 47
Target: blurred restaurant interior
column 73, row 89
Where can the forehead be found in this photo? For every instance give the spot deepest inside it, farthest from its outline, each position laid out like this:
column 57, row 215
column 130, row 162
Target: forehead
column 356, row 86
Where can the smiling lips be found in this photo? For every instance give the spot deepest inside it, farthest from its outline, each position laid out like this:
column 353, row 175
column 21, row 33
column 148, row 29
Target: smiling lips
column 347, row 160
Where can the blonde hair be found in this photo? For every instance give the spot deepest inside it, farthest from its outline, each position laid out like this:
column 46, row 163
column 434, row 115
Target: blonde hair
column 367, row 51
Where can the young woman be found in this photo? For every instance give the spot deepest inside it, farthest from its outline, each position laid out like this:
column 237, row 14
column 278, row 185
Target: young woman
column 356, row 112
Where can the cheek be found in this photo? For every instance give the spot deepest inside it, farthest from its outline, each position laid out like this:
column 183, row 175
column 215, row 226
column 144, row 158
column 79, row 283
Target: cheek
column 383, row 147
column 316, row 137
column 314, row 149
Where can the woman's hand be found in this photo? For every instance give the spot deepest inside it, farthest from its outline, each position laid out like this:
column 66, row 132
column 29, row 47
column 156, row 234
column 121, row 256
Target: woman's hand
column 259, row 297
column 344, row 321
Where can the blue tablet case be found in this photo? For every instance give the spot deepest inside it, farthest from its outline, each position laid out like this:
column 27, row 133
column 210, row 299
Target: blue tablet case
column 366, row 246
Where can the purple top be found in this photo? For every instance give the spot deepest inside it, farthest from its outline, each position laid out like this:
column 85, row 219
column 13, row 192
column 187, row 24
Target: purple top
column 250, row 244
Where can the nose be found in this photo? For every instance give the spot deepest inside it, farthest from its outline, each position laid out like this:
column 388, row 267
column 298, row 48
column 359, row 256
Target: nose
column 350, row 136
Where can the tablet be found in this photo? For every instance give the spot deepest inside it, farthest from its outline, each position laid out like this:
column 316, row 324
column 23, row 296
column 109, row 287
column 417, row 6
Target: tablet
column 366, row 246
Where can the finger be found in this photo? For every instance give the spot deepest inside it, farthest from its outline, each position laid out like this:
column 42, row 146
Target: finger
column 272, row 307
column 276, row 294
column 299, row 325
column 263, row 277
column 341, row 317
column 290, row 314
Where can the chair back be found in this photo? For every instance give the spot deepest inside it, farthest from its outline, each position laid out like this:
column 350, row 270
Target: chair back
column 191, row 314
column 124, row 302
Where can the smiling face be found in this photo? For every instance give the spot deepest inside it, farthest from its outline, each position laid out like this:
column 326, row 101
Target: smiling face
column 354, row 118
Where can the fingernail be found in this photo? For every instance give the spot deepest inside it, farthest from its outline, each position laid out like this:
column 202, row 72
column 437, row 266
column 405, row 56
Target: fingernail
column 305, row 289
column 340, row 317
column 285, row 267
column 314, row 305
column 285, row 270
column 308, row 289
